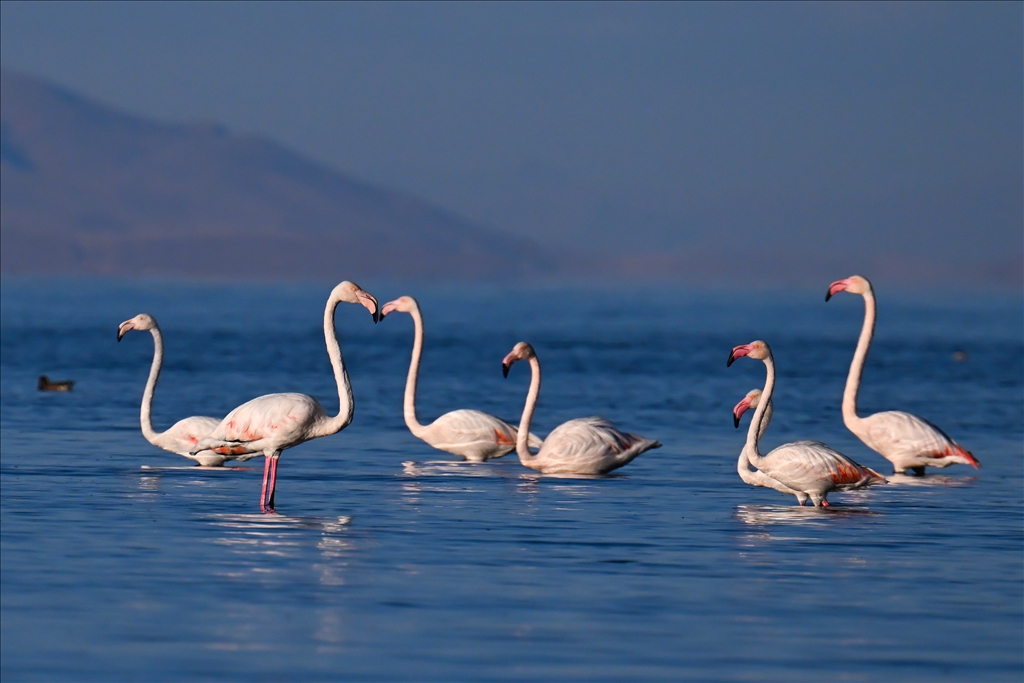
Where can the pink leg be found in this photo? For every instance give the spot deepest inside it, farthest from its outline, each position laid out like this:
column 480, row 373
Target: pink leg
column 824, row 503
column 263, row 494
column 273, row 484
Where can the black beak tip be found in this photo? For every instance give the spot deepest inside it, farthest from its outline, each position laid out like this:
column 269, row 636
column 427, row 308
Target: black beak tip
column 736, row 421
column 828, row 295
column 504, row 370
column 732, row 359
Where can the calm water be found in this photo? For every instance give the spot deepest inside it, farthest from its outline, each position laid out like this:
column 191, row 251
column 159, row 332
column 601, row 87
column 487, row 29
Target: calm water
column 390, row 560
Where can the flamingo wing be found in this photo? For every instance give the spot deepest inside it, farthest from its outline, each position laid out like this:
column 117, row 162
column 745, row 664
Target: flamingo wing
column 909, row 441
column 812, row 466
column 590, row 445
column 271, row 422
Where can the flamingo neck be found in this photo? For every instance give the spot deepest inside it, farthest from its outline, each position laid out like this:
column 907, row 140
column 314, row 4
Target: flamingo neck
column 414, row 370
column 346, row 403
column 146, row 417
column 743, row 464
column 758, row 424
column 522, row 439
column 857, row 366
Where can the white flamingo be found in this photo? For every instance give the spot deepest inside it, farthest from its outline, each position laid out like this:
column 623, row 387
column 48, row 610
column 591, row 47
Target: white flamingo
column 182, row 437
column 807, row 466
column 588, row 445
column 757, row 477
column 474, row 435
column 906, row 440
column 270, row 424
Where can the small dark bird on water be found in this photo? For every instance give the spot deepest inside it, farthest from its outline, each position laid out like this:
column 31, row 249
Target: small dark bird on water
column 46, row 385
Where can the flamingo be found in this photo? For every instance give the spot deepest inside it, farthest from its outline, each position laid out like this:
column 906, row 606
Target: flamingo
column 588, row 445
column 906, row 440
column 270, row 424
column 757, row 477
column 182, row 437
column 810, row 467
column 474, row 435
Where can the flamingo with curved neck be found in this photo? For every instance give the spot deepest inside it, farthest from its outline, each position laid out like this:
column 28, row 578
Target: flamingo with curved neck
column 472, row 434
column 905, row 440
column 270, row 424
column 182, row 437
column 588, row 445
column 809, row 467
column 757, row 477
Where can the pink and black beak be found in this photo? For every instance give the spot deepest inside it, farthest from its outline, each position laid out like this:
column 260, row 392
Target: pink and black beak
column 738, row 352
column 123, row 328
column 836, row 287
column 507, row 362
column 738, row 411
column 370, row 302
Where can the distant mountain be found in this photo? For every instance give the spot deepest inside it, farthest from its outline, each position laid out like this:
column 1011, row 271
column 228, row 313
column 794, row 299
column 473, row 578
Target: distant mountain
column 86, row 189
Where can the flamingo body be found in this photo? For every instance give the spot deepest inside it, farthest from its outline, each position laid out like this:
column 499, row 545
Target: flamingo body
column 183, row 436
column 906, row 440
column 471, row 434
column 810, row 468
column 910, row 443
column 588, row 445
column 474, row 435
column 756, row 477
column 266, row 425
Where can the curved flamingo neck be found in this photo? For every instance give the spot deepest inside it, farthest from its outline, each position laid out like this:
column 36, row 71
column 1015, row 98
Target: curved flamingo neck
column 758, row 424
column 414, row 370
column 743, row 464
column 346, row 403
column 145, row 416
column 857, row 366
column 522, row 439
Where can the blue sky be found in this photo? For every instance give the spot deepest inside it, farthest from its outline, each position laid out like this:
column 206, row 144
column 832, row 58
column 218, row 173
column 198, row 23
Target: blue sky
column 883, row 134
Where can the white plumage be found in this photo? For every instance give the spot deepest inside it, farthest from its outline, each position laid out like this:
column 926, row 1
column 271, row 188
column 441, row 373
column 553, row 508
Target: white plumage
column 472, row 434
column 905, row 440
column 808, row 467
column 588, row 445
column 182, row 437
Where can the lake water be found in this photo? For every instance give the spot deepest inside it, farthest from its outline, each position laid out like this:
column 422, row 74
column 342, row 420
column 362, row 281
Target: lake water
column 390, row 560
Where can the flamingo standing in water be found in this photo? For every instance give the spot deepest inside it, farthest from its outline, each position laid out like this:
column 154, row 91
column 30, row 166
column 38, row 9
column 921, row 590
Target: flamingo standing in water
column 269, row 424
column 182, row 437
column 809, row 467
column 757, row 477
column 906, row 440
column 474, row 435
column 588, row 445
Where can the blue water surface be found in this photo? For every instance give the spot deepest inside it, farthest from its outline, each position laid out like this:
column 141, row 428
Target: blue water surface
column 392, row 561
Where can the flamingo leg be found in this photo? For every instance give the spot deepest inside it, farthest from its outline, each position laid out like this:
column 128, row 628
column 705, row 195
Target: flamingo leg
column 273, row 484
column 263, row 493
column 824, row 503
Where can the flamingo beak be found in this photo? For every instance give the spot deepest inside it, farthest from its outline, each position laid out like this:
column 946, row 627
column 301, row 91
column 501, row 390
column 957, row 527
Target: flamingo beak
column 368, row 300
column 738, row 411
column 123, row 328
column 388, row 308
column 506, row 363
column 737, row 352
column 836, row 287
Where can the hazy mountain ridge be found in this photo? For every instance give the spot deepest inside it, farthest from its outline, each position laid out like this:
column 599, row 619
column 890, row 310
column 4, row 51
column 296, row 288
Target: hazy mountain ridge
column 90, row 190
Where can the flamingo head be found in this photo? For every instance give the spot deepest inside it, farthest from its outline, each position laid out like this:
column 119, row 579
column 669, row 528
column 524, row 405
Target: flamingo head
column 403, row 304
column 756, row 349
column 520, row 351
column 855, row 284
column 751, row 400
column 351, row 293
column 143, row 321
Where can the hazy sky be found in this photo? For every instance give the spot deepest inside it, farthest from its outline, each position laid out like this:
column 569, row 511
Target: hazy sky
column 872, row 130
